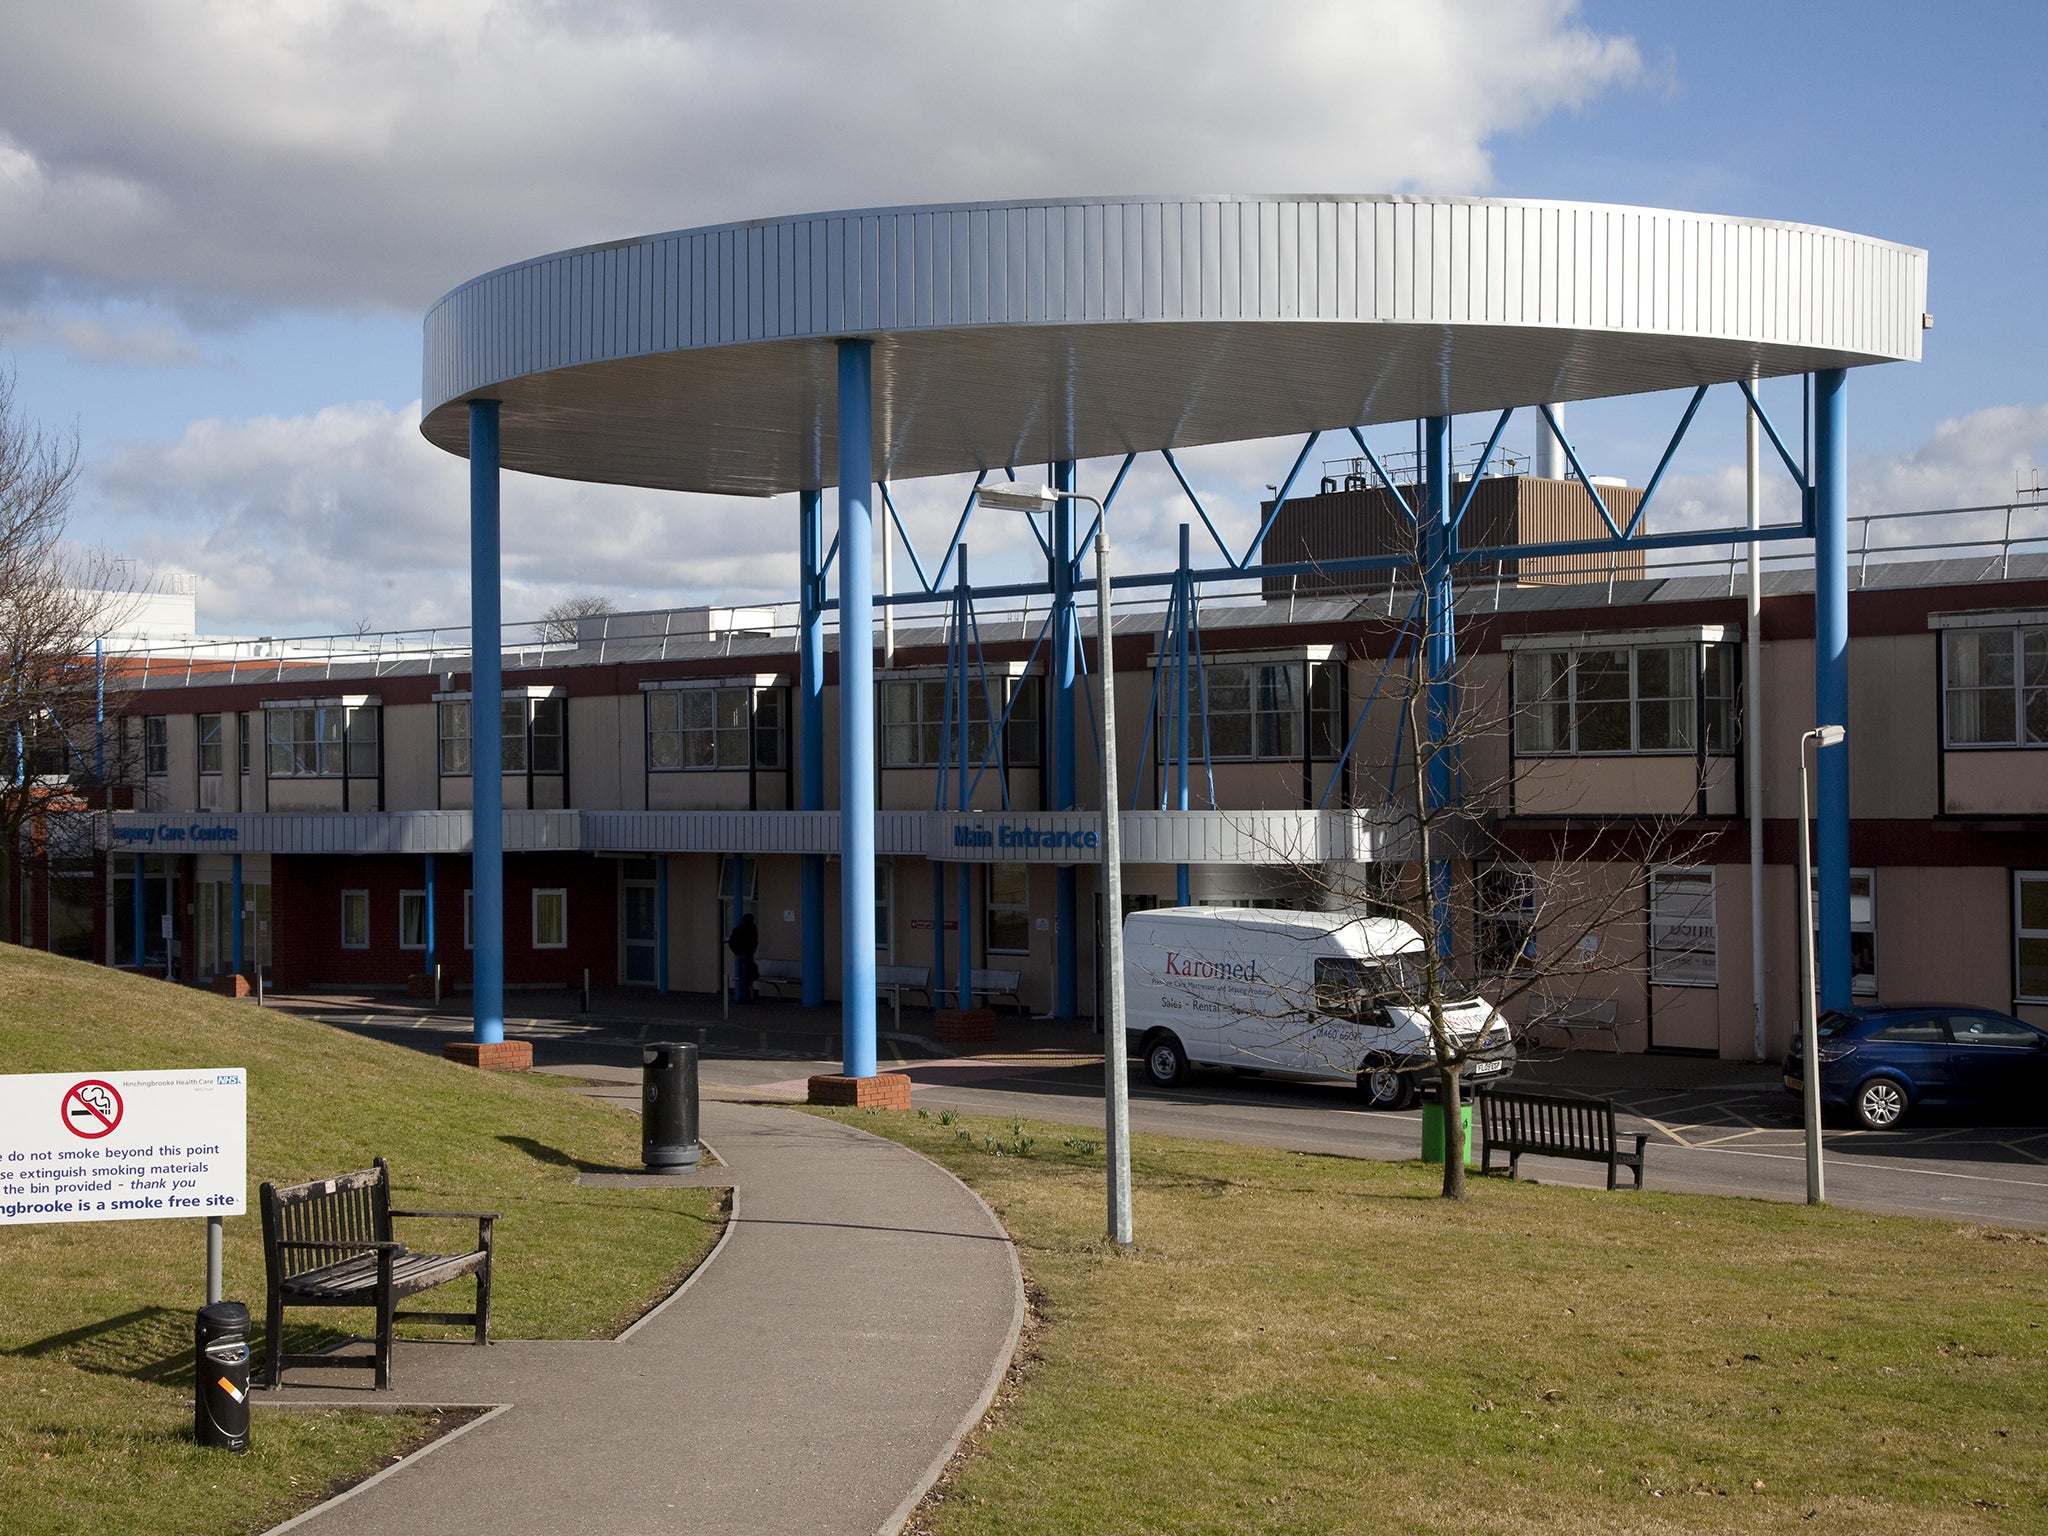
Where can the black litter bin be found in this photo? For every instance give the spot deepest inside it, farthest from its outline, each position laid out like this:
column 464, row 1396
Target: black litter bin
column 220, row 1364
column 668, row 1106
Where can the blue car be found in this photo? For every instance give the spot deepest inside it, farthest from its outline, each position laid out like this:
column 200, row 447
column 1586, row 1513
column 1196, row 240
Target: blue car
column 1883, row 1063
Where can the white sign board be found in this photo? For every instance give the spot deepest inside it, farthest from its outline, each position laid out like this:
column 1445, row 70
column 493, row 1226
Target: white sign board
column 123, row 1146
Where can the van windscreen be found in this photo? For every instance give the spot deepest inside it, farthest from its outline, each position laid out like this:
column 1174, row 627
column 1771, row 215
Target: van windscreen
column 1349, row 988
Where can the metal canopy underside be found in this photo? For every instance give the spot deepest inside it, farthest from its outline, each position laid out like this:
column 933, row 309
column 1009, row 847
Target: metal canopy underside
column 1027, row 332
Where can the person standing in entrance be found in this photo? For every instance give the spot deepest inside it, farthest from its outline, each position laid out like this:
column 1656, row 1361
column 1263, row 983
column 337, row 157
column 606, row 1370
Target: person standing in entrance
column 743, row 941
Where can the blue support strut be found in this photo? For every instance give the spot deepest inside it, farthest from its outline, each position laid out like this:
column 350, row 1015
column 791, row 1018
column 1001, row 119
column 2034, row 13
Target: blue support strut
column 1831, row 676
column 486, row 741
column 1183, row 893
column 1066, row 640
column 856, row 708
column 1440, row 655
column 810, row 731
column 433, row 933
column 235, row 905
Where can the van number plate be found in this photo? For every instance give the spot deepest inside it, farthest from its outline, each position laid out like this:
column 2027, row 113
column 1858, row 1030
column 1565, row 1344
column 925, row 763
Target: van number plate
column 1481, row 1068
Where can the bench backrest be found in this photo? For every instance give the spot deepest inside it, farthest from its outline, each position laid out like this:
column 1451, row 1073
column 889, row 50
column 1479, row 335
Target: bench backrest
column 915, row 977
column 780, row 970
column 1510, row 1117
column 996, row 981
column 1571, row 1010
column 350, row 1208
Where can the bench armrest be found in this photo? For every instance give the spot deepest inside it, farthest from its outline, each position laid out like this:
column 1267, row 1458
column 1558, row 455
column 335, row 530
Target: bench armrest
column 456, row 1215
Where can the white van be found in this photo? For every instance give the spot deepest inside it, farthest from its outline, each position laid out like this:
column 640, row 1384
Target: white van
column 1322, row 995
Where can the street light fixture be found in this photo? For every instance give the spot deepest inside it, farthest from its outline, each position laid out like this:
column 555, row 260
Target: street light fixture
column 1115, row 1067
column 1809, row 1006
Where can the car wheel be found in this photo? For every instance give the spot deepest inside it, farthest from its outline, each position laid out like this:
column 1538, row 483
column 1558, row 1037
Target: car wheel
column 1166, row 1064
column 1384, row 1088
column 1880, row 1103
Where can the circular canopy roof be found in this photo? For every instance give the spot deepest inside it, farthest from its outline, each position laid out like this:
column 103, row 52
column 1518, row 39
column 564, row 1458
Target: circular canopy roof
column 1014, row 333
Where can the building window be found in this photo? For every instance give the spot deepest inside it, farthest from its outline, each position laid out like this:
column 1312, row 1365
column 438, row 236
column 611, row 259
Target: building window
column 544, row 734
column 1254, row 709
column 209, row 744
column 1996, row 687
column 1862, row 928
column 1008, row 909
column 709, row 728
column 412, row 919
column 885, row 927
column 454, row 730
column 551, row 919
column 1683, row 946
column 1624, row 699
column 316, row 741
column 917, row 733
column 2030, row 935
column 156, row 745
column 1506, row 919
column 530, row 732
column 469, row 919
column 242, row 744
column 355, row 919
column 1326, row 729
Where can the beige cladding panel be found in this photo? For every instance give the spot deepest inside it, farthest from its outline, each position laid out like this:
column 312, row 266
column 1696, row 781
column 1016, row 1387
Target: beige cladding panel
column 411, row 757
column 1945, row 935
column 698, row 791
column 1894, row 727
column 1607, row 786
column 304, row 795
column 1990, row 783
column 594, row 754
column 179, row 787
column 1787, row 715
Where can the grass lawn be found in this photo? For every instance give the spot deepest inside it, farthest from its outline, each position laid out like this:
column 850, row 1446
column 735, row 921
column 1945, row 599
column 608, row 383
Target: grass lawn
column 96, row 1319
column 1318, row 1344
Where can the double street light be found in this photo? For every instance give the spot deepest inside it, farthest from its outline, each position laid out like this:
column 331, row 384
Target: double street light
column 1116, row 1128
column 1809, row 1006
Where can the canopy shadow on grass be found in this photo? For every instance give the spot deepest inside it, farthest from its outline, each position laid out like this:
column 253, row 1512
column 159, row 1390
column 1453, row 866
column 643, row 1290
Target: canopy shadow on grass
column 555, row 1157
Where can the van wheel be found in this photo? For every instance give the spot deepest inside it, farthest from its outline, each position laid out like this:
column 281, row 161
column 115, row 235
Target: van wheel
column 1384, row 1088
column 1166, row 1064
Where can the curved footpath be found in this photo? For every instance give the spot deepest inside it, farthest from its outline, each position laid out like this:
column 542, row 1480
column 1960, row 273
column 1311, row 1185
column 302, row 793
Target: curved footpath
column 813, row 1376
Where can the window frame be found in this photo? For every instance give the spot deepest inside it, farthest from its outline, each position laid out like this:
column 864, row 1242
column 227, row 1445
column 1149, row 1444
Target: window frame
column 925, row 731
column 361, row 898
column 2016, row 689
column 156, row 746
column 1706, row 719
column 2021, row 934
column 756, row 745
column 1514, row 919
column 333, row 754
column 1862, row 983
column 404, row 899
column 214, row 744
column 1291, row 720
column 559, row 893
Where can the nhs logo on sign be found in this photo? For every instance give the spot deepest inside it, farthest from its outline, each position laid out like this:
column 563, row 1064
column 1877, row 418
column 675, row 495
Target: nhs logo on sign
column 1028, row 837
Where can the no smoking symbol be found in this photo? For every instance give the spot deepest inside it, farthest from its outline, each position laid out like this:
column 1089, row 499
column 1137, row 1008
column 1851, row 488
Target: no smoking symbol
column 92, row 1108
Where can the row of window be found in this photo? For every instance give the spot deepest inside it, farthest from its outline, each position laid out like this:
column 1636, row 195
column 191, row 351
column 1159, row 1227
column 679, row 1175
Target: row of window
column 550, row 919
column 530, row 735
column 1625, row 699
column 1995, row 687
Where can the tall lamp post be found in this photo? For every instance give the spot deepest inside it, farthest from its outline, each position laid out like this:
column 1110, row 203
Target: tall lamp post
column 1116, row 1095
column 1809, row 1008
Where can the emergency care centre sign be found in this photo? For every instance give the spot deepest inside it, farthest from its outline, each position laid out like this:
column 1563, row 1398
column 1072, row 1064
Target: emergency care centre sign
column 123, row 1146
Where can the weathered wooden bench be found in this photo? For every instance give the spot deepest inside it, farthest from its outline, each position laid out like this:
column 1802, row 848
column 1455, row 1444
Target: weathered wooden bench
column 1575, row 1015
column 1516, row 1120
column 329, row 1244
column 997, row 986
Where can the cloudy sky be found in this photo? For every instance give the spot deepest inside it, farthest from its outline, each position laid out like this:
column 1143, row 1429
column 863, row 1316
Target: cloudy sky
column 221, row 222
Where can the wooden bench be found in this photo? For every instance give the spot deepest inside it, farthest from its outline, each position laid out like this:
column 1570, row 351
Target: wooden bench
column 329, row 1244
column 778, row 974
column 1516, row 1120
column 997, row 985
column 1575, row 1015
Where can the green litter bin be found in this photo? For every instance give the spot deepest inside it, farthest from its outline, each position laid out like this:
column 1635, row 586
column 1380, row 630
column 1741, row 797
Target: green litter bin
column 1433, row 1132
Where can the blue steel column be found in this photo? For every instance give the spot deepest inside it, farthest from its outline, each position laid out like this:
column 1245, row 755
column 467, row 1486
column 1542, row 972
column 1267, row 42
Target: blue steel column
column 1183, row 892
column 1440, row 653
column 486, row 740
column 1066, row 640
column 433, row 933
column 959, row 685
column 811, row 729
column 235, row 903
column 1831, row 676
column 856, row 708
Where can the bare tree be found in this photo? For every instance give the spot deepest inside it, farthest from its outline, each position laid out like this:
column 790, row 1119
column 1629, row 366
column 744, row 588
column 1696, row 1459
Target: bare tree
column 558, row 625
column 57, row 606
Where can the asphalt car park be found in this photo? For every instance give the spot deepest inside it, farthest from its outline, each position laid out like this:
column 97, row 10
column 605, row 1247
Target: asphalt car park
column 1715, row 1127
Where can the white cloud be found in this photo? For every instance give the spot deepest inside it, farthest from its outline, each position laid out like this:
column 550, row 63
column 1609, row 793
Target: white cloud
column 93, row 339
column 377, row 152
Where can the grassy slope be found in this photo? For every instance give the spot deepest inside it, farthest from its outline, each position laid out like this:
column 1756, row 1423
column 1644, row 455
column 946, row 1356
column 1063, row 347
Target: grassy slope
column 96, row 1320
column 1310, row 1344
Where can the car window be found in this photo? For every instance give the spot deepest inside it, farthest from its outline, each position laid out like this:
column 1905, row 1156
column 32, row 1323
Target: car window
column 1926, row 1029
column 1989, row 1029
column 1831, row 1024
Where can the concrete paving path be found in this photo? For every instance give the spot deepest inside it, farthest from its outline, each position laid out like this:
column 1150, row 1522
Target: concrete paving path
column 813, row 1377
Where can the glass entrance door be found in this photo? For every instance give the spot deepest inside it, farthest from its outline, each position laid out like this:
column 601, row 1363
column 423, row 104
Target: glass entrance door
column 642, row 918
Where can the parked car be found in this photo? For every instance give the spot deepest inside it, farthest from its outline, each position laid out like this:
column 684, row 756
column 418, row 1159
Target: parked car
column 1311, row 995
column 1882, row 1064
